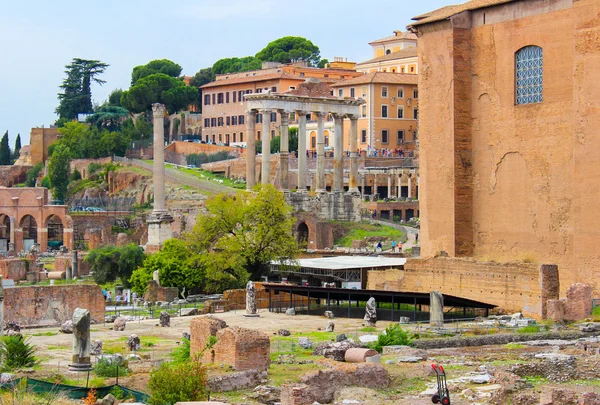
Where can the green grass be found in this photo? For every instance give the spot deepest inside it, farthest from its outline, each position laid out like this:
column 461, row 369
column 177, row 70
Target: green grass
column 536, row 381
column 513, row 346
column 288, row 373
column 56, row 347
column 359, row 231
column 209, row 176
column 45, row 334
column 529, row 329
column 596, row 311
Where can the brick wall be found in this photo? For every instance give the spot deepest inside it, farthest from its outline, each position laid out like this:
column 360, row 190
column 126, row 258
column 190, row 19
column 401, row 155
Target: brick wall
column 61, row 262
column 154, row 292
column 237, row 298
column 200, row 330
column 14, row 269
column 511, row 286
column 51, row 305
column 11, row 175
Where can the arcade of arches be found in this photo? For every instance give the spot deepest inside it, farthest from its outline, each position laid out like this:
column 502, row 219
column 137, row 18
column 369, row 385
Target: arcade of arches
column 27, row 220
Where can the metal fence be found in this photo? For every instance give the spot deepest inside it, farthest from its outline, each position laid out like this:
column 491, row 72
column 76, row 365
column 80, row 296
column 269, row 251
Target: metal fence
column 139, row 313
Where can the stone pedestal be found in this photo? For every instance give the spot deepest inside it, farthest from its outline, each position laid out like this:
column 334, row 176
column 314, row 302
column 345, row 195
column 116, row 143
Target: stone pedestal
column 159, row 230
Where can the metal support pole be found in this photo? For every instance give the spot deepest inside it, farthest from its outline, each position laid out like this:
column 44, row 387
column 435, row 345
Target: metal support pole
column 291, row 302
column 415, row 310
column 308, row 309
column 270, row 308
column 328, row 300
column 349, row 299
column 392, row 307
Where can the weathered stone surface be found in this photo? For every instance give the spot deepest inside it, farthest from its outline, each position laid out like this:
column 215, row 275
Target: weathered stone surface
column 290, row 311
column 358, row 354
column 405, row 351
column 341, row 337
column 165, row 319
column 12, row 327
column 236, row 381
column 436, row 309
column 189, row 311
column 119, row 324
column 330, row 326
column 590, row 327
column 250, row 298
column 283, row 332
column 67, row 327
column 304, row 343
column 371, row 312
column 333, row 350
column 329, row 314
column 96, row 348
column 81, row 336
column 110, row 399
column 133, row 342
column 266, row 394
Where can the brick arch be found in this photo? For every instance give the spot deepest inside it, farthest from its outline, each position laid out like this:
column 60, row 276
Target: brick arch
column 320, row 233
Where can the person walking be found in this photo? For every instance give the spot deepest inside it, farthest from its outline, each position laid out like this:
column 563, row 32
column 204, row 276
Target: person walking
column 393, row 246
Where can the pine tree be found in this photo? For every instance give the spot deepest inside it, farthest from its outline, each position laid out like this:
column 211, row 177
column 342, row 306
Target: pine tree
column 17, row 147
column 5, row 157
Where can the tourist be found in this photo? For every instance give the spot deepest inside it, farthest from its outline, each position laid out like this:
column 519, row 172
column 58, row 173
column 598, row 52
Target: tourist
column 393, row 246
column 108, row 297
column 416, row 238
column 400, row 247
column 133, row 297
column 118, row 299
column 379, row 246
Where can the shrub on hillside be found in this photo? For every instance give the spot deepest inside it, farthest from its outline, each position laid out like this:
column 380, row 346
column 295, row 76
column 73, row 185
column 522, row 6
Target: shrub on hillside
column 178, row 382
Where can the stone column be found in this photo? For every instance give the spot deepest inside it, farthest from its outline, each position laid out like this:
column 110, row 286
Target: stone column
column 399, row 185
column 74, row 263
column 338, row 155
column 250, row 149
column 81, row 341
column 389, row 194
column 301, row 150
column 436, row 309
column 284, row 151
column 374, row 184
column 266, row 146
column 364, row 182
column 158, row 112
column 11, row 236
column 409, row 187
column 352, row 181
column 321, row 186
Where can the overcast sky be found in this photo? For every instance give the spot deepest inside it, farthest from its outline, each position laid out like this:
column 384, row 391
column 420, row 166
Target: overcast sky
column 39, row 37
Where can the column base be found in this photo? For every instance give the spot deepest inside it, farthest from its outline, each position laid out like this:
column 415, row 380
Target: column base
column 159, row 230
column 354, row 191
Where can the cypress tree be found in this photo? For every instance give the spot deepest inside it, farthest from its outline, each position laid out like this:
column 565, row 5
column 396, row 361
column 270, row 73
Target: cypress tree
column 5, row 157
column 17, row 146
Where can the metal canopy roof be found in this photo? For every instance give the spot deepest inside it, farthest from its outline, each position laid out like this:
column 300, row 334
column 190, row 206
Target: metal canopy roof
column 404, row 297
column 349, row 262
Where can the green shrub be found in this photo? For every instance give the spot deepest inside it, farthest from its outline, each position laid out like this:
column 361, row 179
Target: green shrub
column 76, row 175
column 178, row 382
column 105, row 368
column 118, row 393
column 368, row 329
column 33, row 174
column 93, row 168
column 596, row 311
column 181, row 353
column 392, row 336
column 45, row 182
column 529, row 329
column 16, row 352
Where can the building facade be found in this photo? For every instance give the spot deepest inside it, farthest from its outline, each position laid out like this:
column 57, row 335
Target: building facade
column 388, row 120
column 393, row 54
column 510, row 133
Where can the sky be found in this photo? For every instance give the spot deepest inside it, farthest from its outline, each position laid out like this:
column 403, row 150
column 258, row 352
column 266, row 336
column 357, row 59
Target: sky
column 39, row 37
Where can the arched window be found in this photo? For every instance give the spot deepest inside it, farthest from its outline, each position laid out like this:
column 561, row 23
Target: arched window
column 529, row 69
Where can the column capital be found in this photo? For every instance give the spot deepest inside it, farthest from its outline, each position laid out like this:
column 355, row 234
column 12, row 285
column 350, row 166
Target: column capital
column 265, row 110
column 302, row 112
column 284, row 113
column 158, row 110
column 250, row 112
column 352, row 117
column 319, row 114
column 338, row 116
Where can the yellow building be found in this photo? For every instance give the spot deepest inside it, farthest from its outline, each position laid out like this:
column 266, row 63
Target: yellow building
column 393, row 54
column 389, row 118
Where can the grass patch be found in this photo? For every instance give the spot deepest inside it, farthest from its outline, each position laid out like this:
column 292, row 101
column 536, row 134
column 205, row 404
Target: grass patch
column 45, row 334
column 536, row 380
column 210, row 177
column 359, row 231
column 408, row 385
column 55, row 347
column 513, row 346
column 288, row 373
column 529, row 329
column 368, row 329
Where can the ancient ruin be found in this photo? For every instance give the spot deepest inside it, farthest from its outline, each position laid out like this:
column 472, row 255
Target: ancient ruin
column 371, row 312
column 250, row 300
column 436, row 309
column 81, row 341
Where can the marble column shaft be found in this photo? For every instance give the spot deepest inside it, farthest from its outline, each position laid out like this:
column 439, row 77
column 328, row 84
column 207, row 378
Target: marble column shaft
column 338, row 154
column 301, row 150
column 321, row 187
column 409, row 188
column 158, row 113
column 353, row 179
column 389, row 190
column 266, row 146
column 399, row 185
column 250, row 149
column 284, row 151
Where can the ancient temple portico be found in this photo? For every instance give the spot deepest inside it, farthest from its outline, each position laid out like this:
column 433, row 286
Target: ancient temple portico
column 334, row 205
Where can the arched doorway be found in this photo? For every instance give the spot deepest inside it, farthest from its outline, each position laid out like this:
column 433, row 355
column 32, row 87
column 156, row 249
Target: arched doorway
column 302, row 233
column 29, row 227
column 4, row 232
column 55, row 232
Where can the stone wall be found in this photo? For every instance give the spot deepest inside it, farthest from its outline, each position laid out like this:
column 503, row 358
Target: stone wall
column 62, row 262
column 51, row 305
column 40, row 139
column 236, row 299
column 14, row 269
column 329, row 206
column 513, row 287
column 11, row 175
column 320, row 233
column 82, row 165
column 155, row 292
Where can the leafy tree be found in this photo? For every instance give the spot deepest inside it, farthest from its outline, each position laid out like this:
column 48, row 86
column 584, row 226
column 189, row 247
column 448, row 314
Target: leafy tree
column 109, row 263
column 17, row 150
column 5, row 155
column 108, row 116
column 202, row 77
column 142, row 129
column 114, row 98
column 292, row 141
column 85, row 142
column 177, row 267
column 178, row 382
column 322, row 63
column 234, row 65
column 289, row 50
column 238, row 237
column 33, row 174
column 58, row 171
column 164, row 66
column 76, row 175
column 16, row 352
column 158, row 88
column 76, row 96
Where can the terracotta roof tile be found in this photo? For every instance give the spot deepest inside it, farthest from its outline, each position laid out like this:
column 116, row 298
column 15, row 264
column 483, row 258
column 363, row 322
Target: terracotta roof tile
column 252, row 79
column 380, row 77
column 403, row 35
column 401, row 54
column 446, row 12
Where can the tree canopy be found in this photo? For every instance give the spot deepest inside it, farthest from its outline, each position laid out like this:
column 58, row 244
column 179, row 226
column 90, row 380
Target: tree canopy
column 289, row 50
column 234, row 65
column 177, row 266
column 158, row 88
column 86, row 142
column 17, row 146
column 114, row 98
column 76, row 95
column 58, row 171
column 202, row 77
column 292, row 141
column 108, row 116
column 5, row 155
column 111, row 263
column 240, row 236
column 164, row 66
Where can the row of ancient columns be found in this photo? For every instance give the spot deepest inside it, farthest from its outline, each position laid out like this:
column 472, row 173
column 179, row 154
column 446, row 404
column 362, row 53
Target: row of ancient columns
column 338, row 155
column 390, row 188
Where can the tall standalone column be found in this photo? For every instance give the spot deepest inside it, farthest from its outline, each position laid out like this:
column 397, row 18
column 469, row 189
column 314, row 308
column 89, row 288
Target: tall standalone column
column 374, row 184
column 389, row 190
column 250, row 149
column 338, row 155
column 266, row 146
column 159, row 221
column 399, row 185
column 158, row 113
column 284, row 151
column 353, row 179
column 321, row 187
column 409, row 187
column 301, row 150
